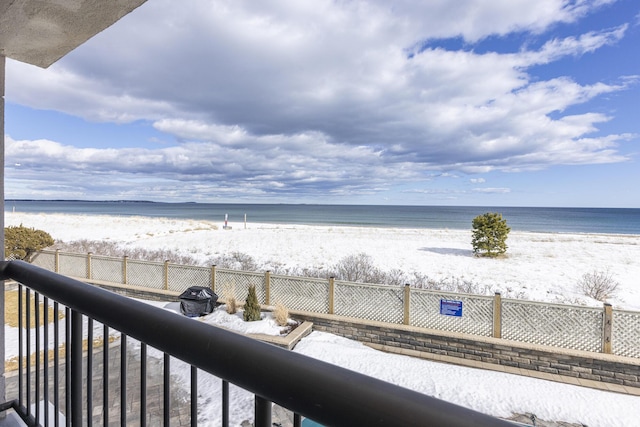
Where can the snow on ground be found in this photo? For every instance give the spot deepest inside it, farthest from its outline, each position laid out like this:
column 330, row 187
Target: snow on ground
column 541, row 266
column 490, row 392
column 495, row 393
column 219, row 317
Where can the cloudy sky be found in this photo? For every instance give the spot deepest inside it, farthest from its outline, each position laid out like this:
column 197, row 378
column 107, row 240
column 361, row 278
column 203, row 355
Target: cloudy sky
column 472, row 102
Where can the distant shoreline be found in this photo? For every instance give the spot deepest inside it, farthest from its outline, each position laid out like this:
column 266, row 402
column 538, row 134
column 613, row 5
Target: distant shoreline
column 317, row 204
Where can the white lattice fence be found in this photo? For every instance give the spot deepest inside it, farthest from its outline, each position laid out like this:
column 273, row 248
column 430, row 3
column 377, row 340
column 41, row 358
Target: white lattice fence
column 74, row 265
column 297, row 293
column 578, row 328
column 370, row 302
column 145, row 274
column 181, row 277
column 237, row 283
column 46, row 260
column 477, row 312
column 626, row 333
column 107, row 269
column 572, row 327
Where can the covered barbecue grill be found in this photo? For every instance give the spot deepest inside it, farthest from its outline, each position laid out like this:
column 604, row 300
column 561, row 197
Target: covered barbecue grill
column 197, row 301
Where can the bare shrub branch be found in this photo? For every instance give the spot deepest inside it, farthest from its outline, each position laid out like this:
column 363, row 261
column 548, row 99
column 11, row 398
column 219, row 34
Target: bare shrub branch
column 598, row 285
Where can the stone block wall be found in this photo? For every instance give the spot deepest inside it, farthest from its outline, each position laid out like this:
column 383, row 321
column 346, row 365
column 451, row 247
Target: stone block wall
column 485, row 352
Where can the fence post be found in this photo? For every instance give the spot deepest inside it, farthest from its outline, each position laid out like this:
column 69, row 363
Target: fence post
column 267, row 287
column 57, row 261
column 497, row 315
column 407, row 303
column 89, row 265
column 125, row 279
column 213, row 278
column 331, row 293
column 166, row 275
column 607, row 327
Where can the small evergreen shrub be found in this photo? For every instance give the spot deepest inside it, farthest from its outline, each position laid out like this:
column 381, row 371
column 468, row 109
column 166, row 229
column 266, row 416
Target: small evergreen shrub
column 281, row 315
column 251, row 306
column 20, row 242
column 490, row 233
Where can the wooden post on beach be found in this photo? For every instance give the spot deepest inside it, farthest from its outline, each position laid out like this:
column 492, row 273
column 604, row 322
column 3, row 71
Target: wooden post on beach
column 213, row 278
column 407, row 304
column 497, row 315
column 166, row 275
column 267, row 287
column 89, row 265
column 607, row 327
column 57, row 261
column 124, row 269
column 331, row 292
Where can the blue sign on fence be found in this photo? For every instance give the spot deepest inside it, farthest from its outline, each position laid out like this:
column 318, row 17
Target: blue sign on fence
column 451, row 307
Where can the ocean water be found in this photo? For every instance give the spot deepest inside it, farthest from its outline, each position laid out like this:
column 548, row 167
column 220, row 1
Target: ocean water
column 561, row 220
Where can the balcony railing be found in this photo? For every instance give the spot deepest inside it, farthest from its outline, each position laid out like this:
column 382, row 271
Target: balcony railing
column 327, row 394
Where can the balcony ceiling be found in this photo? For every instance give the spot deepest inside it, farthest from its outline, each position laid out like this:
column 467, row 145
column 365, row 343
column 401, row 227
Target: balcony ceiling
column 39, row 32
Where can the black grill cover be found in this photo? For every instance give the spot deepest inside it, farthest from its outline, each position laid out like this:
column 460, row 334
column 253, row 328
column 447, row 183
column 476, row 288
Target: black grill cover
column 197, row 301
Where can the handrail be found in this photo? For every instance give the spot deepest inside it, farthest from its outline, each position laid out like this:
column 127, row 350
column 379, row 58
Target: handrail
column 326, row 393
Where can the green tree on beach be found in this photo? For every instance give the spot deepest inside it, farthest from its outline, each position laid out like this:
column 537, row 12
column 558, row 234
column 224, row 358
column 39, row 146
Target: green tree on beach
column 490, row 233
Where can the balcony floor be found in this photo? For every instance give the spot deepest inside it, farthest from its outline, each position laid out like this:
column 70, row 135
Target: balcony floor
column 11, row 419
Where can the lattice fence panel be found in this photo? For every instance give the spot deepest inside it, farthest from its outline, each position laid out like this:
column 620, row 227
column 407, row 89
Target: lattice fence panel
column 145, row 274
column 107, row 269
column 74, row 265
column 237, row 283
column 182, row 277
column 577, row 328
column 298, row 293
column 46, row 260
column 371, row 302
column 476, row 319
column 625, row 334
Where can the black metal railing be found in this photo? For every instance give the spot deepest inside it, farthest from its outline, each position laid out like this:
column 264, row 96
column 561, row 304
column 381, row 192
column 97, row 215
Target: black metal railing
column 327, row 394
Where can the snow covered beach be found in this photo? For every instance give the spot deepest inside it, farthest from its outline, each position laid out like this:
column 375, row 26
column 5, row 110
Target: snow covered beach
column 542, row 266
column 539, row 266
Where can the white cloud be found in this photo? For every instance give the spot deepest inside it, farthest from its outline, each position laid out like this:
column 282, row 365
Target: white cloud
column 323, row 96
column 492, row 190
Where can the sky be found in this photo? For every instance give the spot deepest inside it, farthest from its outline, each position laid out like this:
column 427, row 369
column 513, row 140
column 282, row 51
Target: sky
column 486, row 103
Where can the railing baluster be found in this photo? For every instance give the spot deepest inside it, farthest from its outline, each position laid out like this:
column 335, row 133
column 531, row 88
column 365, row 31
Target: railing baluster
column 143, row 385
column 20, row 351
column 194, row 396
column 36, row 330
column 56, row 363
column 67, row 366
column 123, row 380
column 225, row 403
column 262, row 408
column 166, row 391
column 105, row 377
column 45, row 368
column 28, row 349
column 76, row 368
column 89, row 372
